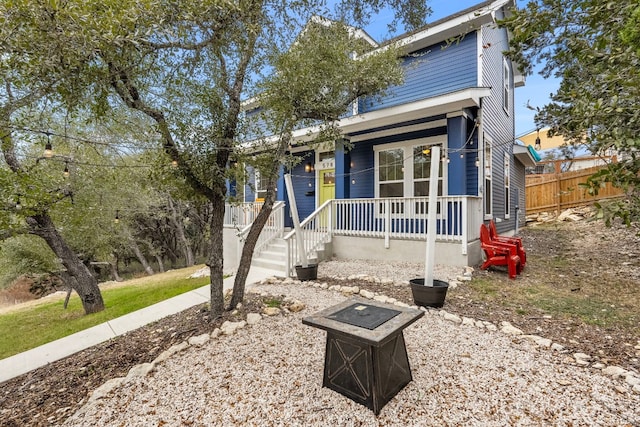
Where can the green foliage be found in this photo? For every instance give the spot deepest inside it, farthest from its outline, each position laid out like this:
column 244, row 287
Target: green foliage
column 593, row 47
column 25, row 255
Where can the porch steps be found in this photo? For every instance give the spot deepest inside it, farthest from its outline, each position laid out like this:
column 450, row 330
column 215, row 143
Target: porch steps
column 274, row 256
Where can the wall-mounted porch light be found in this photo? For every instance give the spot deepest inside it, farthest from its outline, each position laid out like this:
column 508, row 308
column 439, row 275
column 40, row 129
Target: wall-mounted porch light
column 308, row 168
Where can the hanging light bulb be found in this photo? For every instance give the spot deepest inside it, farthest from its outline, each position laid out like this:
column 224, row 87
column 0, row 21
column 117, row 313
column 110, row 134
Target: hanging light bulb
column 448, row 159
column 538, row 145
column 477, row 162
column 65, row 173
column 174, row 163
column 117, row 218
column 462, row 155
column 48, row 150
column 18, row 205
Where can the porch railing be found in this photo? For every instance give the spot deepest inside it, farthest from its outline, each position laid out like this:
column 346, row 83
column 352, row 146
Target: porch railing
column 273, row 229
column 240, row 215
column 458, row 218
column 316, row 231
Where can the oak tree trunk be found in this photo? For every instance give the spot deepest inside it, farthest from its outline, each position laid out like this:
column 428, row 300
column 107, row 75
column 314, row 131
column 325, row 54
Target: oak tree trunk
column 215, row 258
column 141, row 257
column 77, row 276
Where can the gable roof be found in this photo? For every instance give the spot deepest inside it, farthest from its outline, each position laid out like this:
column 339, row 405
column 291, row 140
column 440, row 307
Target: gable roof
column 455, row 25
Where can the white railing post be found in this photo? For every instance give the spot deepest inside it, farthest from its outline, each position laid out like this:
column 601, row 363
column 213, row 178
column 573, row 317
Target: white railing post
column 387, row 223
column 465, row 226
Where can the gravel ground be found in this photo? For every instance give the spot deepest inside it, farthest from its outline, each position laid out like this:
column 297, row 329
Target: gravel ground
column 270, row 374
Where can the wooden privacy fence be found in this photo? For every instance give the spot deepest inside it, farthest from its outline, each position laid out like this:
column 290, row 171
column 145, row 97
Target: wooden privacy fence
column 561, row 190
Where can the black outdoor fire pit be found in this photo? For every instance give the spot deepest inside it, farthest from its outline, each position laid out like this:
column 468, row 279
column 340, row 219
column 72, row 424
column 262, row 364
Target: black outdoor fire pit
column 365, row 357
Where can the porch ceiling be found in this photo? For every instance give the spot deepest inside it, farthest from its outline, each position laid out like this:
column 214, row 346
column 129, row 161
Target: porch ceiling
column 443, row 104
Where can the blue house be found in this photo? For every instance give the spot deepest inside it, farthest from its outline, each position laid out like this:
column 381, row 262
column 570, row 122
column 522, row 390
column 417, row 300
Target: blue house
column 370, row 201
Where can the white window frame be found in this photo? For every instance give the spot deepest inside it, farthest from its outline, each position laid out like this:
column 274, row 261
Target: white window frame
column 506, row 85
column 407, row 148
column 257, row 186
column 507, row 186
column 487, row 178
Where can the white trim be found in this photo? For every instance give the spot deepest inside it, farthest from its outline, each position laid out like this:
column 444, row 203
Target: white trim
column 401, row 113
column 488, row 142
column 507, row 188
column 452, row 27
column 395, row 131
column 507, row 91
column 480, row 52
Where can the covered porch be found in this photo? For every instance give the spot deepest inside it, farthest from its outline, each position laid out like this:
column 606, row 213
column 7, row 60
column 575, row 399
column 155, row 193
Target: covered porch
column 391, row 229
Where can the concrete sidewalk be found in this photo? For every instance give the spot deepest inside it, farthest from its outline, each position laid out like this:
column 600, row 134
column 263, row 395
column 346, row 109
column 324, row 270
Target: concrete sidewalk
column 22, row 363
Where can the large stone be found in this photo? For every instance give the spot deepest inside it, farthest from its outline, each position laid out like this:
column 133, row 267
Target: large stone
column 452, row 318
column 557, row 347
column 106, row 388
column 253, row 318
column 381, row 298
column 171, row 351
column 614, row 371
column 367, row 294
column 229, row 328
column 271, row 311
column 581, row 356
column 632, row 380
column 350, row 290
column 296, row 306
column 540, row 341
column 199, row 340
column 636, row 389
column 509, row 329
column 141, row 370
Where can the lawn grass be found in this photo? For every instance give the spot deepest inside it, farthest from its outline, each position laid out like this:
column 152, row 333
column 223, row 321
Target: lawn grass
column 32, row 326
column 590, row 307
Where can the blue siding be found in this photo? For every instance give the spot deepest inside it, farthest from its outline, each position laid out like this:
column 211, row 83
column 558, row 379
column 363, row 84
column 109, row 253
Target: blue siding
column 433, row 71
column 304, row 185
column 362, row 173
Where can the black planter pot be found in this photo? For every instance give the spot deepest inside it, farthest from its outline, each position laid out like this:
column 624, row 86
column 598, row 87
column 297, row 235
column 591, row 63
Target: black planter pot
column 429, row 296
column 307, row 273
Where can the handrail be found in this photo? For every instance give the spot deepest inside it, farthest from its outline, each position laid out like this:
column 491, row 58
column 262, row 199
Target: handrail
column 273, row 228
column 316, row 231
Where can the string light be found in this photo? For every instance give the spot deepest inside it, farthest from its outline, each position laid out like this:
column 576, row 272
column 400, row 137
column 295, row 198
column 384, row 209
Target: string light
column 477, row 162
column 537, row 145
column 18, row 205
column 117, row 218
column 174, row 163
column 65, row 173
column 48, row 149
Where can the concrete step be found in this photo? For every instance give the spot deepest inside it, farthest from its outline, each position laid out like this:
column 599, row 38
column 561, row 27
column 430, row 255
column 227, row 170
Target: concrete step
column 269, row 263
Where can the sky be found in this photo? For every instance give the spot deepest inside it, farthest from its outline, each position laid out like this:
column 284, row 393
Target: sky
column 536, row 90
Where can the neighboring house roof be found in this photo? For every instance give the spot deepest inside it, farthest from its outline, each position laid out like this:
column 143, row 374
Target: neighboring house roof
column 546, row 142
column 525, row 155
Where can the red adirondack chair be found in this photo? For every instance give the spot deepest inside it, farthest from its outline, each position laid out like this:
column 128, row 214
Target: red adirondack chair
column 517, row 241
column 499, row 254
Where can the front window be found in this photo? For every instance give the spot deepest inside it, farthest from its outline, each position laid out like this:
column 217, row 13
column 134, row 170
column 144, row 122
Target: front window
column 391, row 173
column 422, row 171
